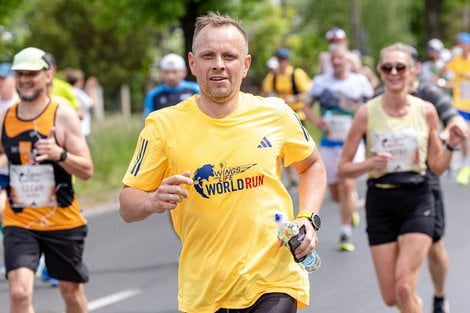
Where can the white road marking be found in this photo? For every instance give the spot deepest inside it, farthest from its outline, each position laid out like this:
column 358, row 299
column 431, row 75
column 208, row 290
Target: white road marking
column 113, row 298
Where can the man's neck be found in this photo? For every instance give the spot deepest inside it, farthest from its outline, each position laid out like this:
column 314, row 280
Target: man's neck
column 341, row 75
column 218, row 110
column 31, row 109
column 283, row 69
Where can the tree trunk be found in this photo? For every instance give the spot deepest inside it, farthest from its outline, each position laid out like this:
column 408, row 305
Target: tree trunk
column 432, row 9
column 356, row 41
column 187, row 24
column 125, row 96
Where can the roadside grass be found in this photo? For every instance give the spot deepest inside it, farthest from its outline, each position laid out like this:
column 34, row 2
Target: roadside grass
column 114, row 141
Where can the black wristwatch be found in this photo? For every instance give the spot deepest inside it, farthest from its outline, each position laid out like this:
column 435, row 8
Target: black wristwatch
column 63, row 156
column 314, row 219
column 450, row 148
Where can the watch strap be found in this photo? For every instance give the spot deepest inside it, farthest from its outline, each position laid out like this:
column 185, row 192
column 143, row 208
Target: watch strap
column 305, row 214
column 63, row 156
column 450, row 148
column 309, row 216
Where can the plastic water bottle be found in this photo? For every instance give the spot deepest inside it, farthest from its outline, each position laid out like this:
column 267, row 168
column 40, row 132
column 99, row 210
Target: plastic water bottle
column 288, row 230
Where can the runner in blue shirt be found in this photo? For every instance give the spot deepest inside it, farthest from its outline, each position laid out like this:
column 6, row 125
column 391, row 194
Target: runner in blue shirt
column 174, row 89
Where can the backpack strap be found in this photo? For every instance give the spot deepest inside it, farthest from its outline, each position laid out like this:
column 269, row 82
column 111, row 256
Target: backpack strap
column 295, row 91
column 274, row 82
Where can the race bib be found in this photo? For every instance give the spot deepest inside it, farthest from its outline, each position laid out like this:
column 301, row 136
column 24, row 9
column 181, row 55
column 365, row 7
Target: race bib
column 32, row 186
column 338, row 127
column 402, row 145
column 465, row 90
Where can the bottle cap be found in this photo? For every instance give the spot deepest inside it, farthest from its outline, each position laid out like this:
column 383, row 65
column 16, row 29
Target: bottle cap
column 278, row 217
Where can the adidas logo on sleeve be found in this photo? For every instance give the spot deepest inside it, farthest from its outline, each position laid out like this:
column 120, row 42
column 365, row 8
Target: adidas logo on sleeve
column 264, row 143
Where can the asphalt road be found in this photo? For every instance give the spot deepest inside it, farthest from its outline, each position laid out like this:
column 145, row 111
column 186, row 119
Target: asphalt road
column 133, row 267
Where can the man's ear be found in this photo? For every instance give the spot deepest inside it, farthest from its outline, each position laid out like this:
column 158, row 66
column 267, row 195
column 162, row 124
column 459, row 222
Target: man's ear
column 246, row 65
column 191, row 61
column 49, row 75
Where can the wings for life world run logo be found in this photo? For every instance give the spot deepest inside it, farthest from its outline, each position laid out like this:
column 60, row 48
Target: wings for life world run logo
column 212, row 180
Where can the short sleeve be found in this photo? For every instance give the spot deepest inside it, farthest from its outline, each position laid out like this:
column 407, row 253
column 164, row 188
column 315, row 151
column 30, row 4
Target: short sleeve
column 302, row 80
column 149, row 162
column 451, row 66
column 316, row 88
column 298, row 144
column 267, row 85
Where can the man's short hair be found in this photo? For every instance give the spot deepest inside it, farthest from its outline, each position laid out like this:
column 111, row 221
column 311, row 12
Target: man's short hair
column 216, row 19
column 73, row 75
column 50, row 59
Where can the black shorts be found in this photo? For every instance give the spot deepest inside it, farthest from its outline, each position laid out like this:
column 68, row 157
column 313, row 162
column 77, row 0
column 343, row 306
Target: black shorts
column 63, row 251
column 268, row 303
column 439, row 223
column 396, row 211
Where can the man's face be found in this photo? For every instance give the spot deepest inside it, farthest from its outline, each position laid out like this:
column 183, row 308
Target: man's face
column 339, row 61
column 219, row 62
column 284, row 62
column 433, row 55
column 338, row 41
column 30, row 85
column 173, row 77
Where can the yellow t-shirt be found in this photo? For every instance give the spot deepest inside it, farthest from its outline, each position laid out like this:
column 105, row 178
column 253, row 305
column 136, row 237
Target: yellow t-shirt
column 283, row 86
column 405, row 137
column 230, row 254
column 63, row 93
column 460, row 66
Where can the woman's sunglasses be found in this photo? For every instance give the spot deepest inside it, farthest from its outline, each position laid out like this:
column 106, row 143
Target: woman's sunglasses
column 388, row 68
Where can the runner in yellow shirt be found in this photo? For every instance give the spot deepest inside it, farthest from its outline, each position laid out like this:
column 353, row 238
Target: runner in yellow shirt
column 213, row 161
column 290, row 84
column 459, row 66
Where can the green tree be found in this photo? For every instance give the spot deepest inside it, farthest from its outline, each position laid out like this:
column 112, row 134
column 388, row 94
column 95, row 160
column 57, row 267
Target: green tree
column 11, row 30
column 115, row 51
column 262, row 20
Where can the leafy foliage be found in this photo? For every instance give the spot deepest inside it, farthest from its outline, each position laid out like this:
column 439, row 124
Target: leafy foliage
column 122, row 41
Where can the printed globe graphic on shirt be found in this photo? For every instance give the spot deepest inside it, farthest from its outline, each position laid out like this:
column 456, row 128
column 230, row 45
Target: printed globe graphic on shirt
column 210, row 179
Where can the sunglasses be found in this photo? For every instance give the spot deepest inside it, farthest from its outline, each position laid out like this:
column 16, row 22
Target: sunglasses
column 388, row 68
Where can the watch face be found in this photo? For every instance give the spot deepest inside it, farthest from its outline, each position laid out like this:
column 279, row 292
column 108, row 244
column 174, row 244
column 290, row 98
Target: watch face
column 316, row 220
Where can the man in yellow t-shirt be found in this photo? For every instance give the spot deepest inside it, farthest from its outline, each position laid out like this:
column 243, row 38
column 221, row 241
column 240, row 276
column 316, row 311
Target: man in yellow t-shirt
column 290, row 84
column 213, row 161
column 459, row 67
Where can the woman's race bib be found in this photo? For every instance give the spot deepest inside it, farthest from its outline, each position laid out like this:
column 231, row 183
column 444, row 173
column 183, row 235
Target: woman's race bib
column 32, row 186
column 402, row 145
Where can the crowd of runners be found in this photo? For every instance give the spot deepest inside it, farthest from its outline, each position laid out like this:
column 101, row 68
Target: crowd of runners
column 402, row 124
